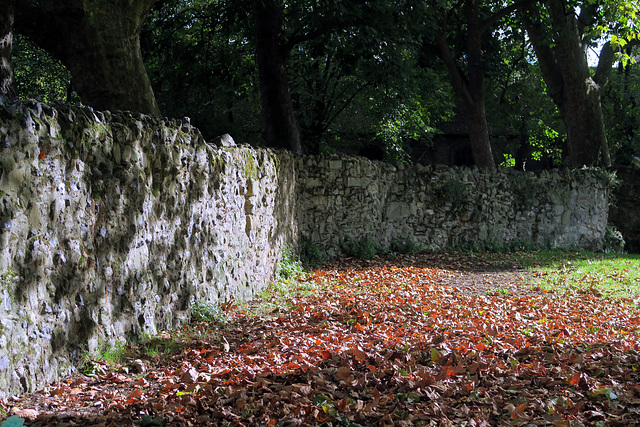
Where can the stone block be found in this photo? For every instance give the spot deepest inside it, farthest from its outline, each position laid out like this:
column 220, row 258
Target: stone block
column 335, row 164
column 354, row 182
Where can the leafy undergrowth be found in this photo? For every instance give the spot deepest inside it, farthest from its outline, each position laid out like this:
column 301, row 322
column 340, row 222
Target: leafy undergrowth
column 382, row 342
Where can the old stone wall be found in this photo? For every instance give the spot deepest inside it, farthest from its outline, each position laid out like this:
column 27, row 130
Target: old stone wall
column 111, row 225
column 342, row 199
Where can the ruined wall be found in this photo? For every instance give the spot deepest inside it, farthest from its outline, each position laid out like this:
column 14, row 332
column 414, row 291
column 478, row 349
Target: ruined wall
column 343, row 199
column 112, row 225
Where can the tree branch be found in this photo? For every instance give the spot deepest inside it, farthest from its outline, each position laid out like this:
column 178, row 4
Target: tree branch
column 488, row 22
column 458, row 80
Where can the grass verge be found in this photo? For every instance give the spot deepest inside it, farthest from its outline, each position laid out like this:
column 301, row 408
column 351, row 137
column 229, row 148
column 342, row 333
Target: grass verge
column 612, row 275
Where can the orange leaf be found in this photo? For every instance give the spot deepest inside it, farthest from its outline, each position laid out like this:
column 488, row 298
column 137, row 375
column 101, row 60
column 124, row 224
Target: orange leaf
column 575, row 379
column 480, row 346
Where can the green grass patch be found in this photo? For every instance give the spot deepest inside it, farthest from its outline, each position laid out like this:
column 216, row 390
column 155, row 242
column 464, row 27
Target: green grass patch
column 109, row 355
column 207, row 311
column 612, row 275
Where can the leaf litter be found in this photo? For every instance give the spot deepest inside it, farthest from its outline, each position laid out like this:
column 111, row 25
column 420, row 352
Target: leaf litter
column 411, row 340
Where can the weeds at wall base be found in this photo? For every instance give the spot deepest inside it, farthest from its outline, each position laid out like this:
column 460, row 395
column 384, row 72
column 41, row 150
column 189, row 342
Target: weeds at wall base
column 99, row 363
column 310, row 254
column 207, row 311
column 290, row 266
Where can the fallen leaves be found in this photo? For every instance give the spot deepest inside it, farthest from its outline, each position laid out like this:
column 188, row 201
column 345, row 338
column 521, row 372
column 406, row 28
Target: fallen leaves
column 389, row 344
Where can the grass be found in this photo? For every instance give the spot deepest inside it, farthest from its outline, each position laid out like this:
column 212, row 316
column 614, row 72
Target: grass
column 612, row 275
column 290, row 283
column 109, row 355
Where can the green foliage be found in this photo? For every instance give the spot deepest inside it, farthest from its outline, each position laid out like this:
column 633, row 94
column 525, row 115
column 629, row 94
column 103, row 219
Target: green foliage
column 111, row 354
column 207, row 311
column 613, row 240
column 167, row 343
column 200, row 59
column 622, row 119
column 37, row 74
column 526, row 125
column 455, row 192
column 364, row 248
column 405, row 247
column 409, row 121
column 311, row 254
column 290, row 267
column 108, row 355
column 498, row 292
column 290, row 281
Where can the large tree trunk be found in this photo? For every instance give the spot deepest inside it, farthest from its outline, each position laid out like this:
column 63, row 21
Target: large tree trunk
column 98, row 41
column 277, row 107
column 476, row 113
column 6, row 42
column 566, row 72
column 470, row 88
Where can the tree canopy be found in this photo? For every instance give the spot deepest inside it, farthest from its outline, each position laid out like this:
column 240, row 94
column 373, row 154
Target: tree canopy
column 402, row 80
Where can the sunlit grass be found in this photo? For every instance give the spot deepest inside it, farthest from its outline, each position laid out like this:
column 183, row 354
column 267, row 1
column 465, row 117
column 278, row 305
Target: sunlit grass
column 612, row 275
column 562, row 271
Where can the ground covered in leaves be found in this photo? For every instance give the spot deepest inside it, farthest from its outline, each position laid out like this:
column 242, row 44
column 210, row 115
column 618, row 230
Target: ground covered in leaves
column 429, row 339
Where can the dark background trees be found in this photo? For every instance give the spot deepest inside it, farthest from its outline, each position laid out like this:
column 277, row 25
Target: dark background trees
column 397, row 80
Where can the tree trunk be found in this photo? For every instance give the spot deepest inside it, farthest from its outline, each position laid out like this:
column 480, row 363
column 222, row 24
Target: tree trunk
column 277, row 107
column 476, row 113
column 470, row 88
column 566, row 72
column 99, row 43
column 7, row 87
column 582, row 115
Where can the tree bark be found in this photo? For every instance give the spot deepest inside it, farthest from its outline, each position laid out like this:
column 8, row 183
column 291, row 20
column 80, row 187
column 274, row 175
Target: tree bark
column 566, row 72
column 470, row 87
column 277, row 106
column 7, row 87
column 98, row 41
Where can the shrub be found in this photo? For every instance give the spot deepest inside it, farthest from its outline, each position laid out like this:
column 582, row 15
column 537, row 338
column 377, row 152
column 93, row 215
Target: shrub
column 290, row 266
column 613, row 240
column 406, row 247
column 363, row 248
column 207, row 311
column 311, row 254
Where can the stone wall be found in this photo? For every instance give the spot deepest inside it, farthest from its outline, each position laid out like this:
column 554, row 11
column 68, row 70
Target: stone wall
column 342, row 199
column 113, row 224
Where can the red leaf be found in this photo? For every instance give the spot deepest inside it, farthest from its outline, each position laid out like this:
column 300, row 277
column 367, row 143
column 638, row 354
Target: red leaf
column 575, row 379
